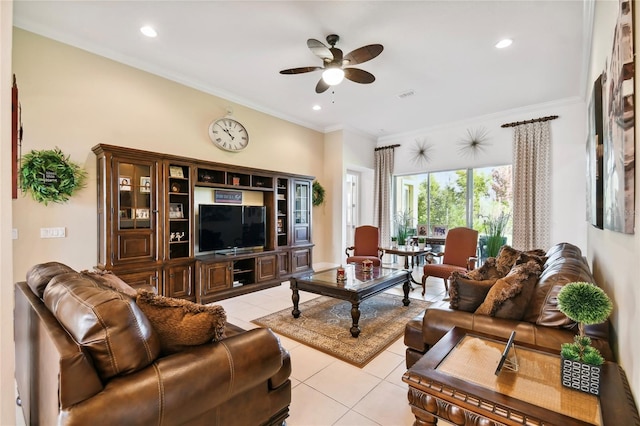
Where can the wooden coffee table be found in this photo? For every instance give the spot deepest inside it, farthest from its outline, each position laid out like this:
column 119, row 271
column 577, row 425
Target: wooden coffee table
column 455, row 381
column 357, row 287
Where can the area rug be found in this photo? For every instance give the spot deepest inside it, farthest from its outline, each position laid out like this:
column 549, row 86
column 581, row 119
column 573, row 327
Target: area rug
column 324, row 324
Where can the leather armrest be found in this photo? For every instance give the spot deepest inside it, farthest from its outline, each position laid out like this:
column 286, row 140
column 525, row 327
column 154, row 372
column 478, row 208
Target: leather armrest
column 182, row 386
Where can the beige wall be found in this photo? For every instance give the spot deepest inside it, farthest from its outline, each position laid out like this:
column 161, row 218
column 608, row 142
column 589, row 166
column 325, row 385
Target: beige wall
column 7, row 386
column 614, row 256
column 74, row 100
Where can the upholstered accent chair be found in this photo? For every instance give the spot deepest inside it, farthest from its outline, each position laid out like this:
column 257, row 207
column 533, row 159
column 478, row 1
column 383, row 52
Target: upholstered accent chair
column 366, row 245
column 460, row 246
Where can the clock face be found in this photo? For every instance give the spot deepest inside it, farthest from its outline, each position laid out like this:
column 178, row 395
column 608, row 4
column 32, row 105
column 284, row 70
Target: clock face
column 228, row 134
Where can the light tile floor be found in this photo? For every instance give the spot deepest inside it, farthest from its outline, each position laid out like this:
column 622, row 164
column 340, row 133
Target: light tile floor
column 325, row 390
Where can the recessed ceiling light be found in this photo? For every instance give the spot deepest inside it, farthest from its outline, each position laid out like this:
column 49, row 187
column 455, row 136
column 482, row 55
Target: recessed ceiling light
column 148, row 31
column 316, row 107
column 504, row 43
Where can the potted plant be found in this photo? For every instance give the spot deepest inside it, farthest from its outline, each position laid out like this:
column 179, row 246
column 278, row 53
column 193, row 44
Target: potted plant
column 403, row 222
column 494, row 228
column 422, row 241
column 394, row 242
column 584, row 303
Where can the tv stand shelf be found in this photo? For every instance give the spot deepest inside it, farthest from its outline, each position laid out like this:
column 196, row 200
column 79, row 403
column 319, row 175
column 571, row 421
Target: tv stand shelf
column 148, row 216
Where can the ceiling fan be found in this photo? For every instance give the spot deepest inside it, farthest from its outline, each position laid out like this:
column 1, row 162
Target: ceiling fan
column 335, row 63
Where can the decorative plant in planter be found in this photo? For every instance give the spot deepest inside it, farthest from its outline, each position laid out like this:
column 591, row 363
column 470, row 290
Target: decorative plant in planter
column 49, row 175
column 403, row 221
column 584, row 303
column 494, row 227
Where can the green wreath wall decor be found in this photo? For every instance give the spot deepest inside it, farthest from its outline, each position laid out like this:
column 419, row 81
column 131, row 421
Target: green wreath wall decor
column 318, row 194
column 49, row 175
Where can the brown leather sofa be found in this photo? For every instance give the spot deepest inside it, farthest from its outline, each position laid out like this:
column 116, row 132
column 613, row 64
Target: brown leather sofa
column 542, row 324
column 112, row 371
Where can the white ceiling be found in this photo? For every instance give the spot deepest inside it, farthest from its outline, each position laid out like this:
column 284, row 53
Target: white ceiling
column 443, row 51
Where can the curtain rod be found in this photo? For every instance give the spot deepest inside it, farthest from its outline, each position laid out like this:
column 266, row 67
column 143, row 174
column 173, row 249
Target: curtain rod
column 518, row 123
column 387, row 147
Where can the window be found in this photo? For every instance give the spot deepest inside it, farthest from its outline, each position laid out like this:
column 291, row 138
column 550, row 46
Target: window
column 466, row 197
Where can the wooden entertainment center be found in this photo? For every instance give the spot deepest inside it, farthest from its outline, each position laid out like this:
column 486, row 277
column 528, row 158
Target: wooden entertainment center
column 147, row 227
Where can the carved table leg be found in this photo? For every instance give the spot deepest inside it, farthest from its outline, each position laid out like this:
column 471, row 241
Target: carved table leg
column 355, row 317
column 296, row 298
column 406, row 287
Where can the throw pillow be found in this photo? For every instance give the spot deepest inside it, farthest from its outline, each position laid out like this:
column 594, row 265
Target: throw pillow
column 509, row 296
column 110, row 280
column 506, row 258
column 38, row 276
column 181, row 323
column 488, row 271
column 527, row 256
column 467, row 294
column 106, row 323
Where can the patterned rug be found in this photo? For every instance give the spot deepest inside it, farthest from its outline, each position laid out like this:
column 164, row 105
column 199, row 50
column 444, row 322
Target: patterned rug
column 324, row 324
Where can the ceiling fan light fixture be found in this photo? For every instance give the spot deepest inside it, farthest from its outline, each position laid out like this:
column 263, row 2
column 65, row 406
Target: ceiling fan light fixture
column 333, row 76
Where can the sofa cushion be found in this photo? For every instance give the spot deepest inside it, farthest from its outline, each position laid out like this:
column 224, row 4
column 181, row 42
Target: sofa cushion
column 107, row 323
column 467, row 294
column 38, row 276
column 509, row 296
column 110, row 280
column 181, row 323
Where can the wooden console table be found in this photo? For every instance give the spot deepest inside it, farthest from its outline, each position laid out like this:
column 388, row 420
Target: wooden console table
column 455, row 381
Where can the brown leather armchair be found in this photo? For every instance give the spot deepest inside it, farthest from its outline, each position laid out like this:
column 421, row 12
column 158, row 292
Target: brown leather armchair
column 366, row 245
column 459, row 254
column 102, row 366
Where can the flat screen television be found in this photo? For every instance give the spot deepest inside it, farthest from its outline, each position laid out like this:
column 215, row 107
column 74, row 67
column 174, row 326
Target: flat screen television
column 224, row 227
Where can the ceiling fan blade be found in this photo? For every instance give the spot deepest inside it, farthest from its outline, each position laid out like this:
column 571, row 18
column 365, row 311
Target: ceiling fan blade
column 363, row 54
column 359, row 76
column 319, row 49
column 321, row 86
column 300, row 70
column 337, row 55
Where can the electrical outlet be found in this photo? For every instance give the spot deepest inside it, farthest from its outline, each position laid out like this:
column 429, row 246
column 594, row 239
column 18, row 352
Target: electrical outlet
column 14, row 234
column 59, row 232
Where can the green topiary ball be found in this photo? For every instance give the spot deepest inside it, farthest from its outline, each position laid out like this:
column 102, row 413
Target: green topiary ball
column 585, row 303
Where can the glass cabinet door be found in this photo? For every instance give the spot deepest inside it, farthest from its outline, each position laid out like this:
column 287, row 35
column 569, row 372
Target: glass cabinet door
column 135, row 196
column 301, row 212
column 302, row 203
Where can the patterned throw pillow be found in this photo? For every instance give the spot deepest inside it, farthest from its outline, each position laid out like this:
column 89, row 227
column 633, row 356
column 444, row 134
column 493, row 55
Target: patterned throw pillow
column 181, row 323
column 509, row 296
column 467, row 294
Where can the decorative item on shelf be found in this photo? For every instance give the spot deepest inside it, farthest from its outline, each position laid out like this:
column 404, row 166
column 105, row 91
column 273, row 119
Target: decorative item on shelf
column 142, row 213
column 176, row 236
column 176, row 171
column 318, row 194
column 494, row 227
column 235, row 180
column 125, row 183
column 175, row 187
column 175, row 211
column 367, row 265
column 49, row 175
column 340, row 274
column 584, row 303
column 145, row 184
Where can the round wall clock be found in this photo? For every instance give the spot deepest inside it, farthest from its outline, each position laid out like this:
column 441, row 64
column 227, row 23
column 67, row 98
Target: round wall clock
column 228, row 134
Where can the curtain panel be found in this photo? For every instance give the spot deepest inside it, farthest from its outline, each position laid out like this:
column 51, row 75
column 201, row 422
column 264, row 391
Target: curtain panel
column 532, row 185
column 383, row 175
